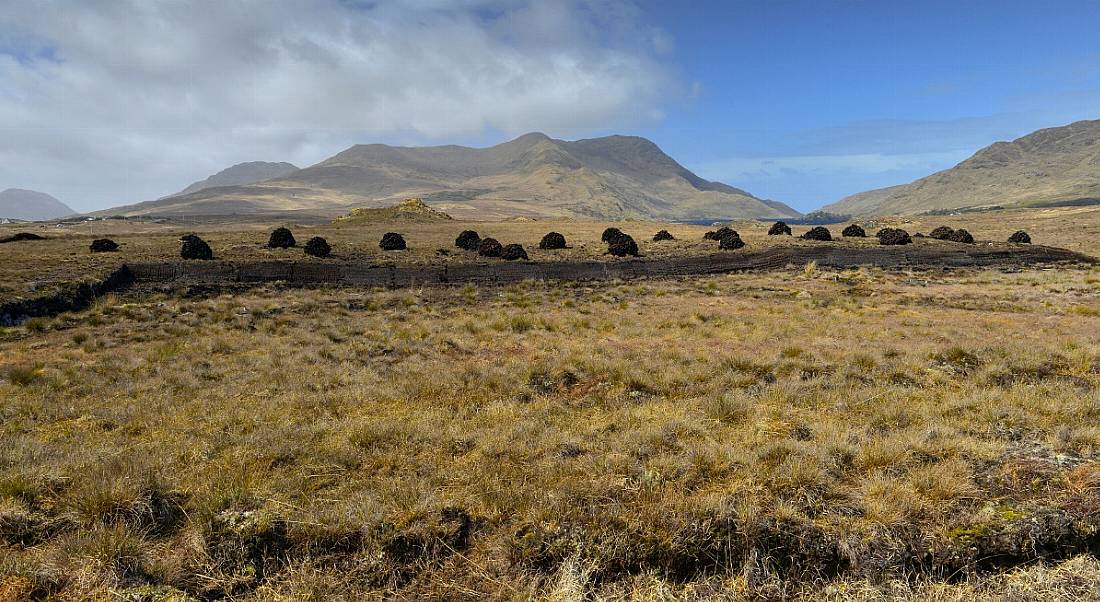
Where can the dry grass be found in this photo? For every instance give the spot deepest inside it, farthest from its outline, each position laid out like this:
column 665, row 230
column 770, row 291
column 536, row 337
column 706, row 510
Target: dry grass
column 34, row 268
column 1073, row 228
column 787, row 435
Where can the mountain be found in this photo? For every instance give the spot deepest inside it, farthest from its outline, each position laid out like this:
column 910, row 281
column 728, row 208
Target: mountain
column 30, row 205
column 862, row 203
column 615, row 177
column 1050, row 167
column 242, row 174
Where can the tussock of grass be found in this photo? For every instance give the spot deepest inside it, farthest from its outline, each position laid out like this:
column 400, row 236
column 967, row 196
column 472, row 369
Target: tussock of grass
column 23, row 375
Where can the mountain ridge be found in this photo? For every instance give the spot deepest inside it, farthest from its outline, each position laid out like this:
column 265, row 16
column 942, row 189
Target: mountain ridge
column 248, row 172
column 1048, row 167
column 31, row 205
column 613, row 177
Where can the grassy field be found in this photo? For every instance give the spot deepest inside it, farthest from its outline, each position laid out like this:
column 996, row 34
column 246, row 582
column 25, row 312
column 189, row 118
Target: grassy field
column 805, row 434
column 37, row 267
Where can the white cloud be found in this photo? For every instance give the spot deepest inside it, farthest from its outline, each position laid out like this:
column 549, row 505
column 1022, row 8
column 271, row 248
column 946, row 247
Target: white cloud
column 807, row 182
column 755, row 168
column 104, row 102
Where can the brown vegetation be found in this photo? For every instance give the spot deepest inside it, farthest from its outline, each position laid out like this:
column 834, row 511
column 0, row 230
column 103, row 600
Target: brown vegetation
column 35, row 268
column 806, row 434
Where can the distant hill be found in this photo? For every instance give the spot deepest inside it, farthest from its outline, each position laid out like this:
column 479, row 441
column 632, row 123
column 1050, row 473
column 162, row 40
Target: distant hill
column 242, row 174
column 30, row 205
column 863, row 202
column 615, row 177
column 413, row 210
column 1050, row 167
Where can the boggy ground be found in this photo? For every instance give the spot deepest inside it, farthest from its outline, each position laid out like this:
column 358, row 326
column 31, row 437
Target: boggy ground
column 36, row 268
column 804, row 434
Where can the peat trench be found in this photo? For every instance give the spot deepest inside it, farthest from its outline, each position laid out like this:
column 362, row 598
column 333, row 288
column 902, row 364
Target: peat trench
column 80, row 296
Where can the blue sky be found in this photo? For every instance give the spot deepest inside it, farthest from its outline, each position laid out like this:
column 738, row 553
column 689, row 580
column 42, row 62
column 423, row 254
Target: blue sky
column 107, row 102
column 808, row 101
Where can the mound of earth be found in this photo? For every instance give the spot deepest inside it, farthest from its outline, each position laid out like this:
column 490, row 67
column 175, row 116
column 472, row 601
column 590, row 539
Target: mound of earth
column 893, row 236
column 22, row 236
column 193, row 247
column 414, row 209
column 609, row 234
column 817, row 233
column 552, row 240
column 281, row 238
column 663, row 235
column 490, row 247
column 731, row 240
column 513, row 252
column 854, row 231
column 941, row 233
column 962, row 236
column 468, row 240
column 392, row 241
column 779, row 229
column 1020, row 237
column 623, row 245
column 318, row 247
column 719, row 233
column 103, row 245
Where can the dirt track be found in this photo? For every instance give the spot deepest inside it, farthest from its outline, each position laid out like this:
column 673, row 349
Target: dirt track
column 360, row 274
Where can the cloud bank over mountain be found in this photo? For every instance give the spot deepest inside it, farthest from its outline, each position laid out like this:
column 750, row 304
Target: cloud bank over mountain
column 110, row 101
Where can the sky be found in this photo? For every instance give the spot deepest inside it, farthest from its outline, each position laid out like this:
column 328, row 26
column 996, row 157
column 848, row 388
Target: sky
column 109, row 102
